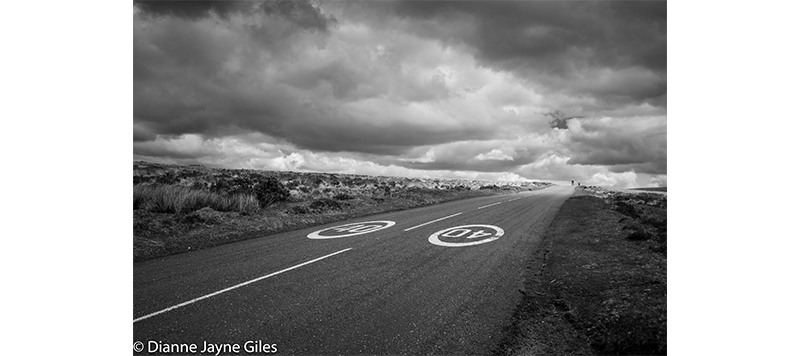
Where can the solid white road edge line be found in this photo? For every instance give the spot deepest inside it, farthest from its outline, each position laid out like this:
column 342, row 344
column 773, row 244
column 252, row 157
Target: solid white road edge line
column 486, row 206
column 236, row 286
column 431, row 222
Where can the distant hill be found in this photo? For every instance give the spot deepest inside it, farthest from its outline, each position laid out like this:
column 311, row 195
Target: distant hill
column 656, row 189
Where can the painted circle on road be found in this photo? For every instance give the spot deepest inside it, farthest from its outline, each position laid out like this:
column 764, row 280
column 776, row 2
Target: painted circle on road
column 351, row 229
column 466, row 235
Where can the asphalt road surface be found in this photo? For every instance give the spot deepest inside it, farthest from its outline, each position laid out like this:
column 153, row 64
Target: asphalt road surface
column 380, row 288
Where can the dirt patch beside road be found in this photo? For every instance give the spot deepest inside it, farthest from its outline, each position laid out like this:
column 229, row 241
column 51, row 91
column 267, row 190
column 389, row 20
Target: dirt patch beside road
column 598, row 284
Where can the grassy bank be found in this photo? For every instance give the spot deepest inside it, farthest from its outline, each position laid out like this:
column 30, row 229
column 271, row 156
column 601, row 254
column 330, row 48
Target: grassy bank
column 598, row 283
column 183, row 208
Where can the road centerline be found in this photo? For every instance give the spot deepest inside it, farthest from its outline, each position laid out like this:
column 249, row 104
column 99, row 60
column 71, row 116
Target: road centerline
column 432, row 221
column 486, row 206
column 237, row 286
column 514, row 199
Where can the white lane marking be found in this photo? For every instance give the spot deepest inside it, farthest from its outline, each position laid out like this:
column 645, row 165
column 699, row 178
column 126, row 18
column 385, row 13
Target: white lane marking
column 352, row 229
column 486, row 206
column 461, row 231
column 431, row 222
column 236, row 286
column 515, row 199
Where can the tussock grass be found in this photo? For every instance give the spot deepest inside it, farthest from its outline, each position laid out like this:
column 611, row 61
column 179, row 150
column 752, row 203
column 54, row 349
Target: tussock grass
column 178, row 199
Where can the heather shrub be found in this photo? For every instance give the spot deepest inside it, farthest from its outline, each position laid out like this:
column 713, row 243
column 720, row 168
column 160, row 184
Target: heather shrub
column 342, row 196
column 267, row 190
column 299, row 209
column 325, row 204
column 639, row 235
column 627, row 209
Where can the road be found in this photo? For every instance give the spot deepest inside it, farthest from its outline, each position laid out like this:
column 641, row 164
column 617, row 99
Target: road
column 389, row 291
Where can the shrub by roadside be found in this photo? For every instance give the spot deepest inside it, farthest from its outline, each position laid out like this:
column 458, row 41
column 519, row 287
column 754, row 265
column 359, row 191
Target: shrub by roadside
column 267, row 190
column 646, row 223
column 325, row 204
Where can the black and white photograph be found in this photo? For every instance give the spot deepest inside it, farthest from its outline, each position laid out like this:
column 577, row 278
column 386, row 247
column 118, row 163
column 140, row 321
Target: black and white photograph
column 399, row 177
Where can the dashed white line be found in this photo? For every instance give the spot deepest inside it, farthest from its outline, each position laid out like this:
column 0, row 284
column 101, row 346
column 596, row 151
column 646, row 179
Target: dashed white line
column 431, row 222
column 515, row 199
column 236, row 286
column 486, row 206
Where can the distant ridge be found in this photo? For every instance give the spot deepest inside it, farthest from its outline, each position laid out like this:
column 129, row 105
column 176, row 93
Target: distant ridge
column 655, row 189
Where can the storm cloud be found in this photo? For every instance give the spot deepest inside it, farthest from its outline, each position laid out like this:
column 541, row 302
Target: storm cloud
column 612, row 50
column 300, row 12
column 413, row 88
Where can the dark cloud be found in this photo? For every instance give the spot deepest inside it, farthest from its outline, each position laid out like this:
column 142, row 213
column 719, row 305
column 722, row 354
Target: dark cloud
column 197, row 77
column 200, row 77
column 300, row 12
column 180, row 102
column 142, row 134
column 584, row 48
column 387, row 83
column 190, row 9
column 559, row 119
column 394, row 139
column 165, row 152
column 621, row 144
column 656, row 167
column 342, row 78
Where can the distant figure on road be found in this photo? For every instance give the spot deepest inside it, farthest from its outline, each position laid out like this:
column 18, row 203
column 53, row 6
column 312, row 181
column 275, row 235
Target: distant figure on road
column 573, row 182
column 579, row 184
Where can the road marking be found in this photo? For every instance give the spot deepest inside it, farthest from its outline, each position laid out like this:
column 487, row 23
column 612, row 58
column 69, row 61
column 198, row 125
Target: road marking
column 431, row 222
column 462, row 231
column 486, row 206
column 352, row 229
column 515, row 199
column 236, row 286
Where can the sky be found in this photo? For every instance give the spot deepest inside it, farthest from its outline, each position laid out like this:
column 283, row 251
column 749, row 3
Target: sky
column 502, row 90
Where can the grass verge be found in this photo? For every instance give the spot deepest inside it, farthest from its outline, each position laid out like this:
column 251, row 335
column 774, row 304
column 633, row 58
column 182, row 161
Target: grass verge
column 594, row 287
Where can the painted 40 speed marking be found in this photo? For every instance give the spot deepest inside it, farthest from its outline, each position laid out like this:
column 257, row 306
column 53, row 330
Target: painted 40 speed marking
column 351, row 229
column 468, row 232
